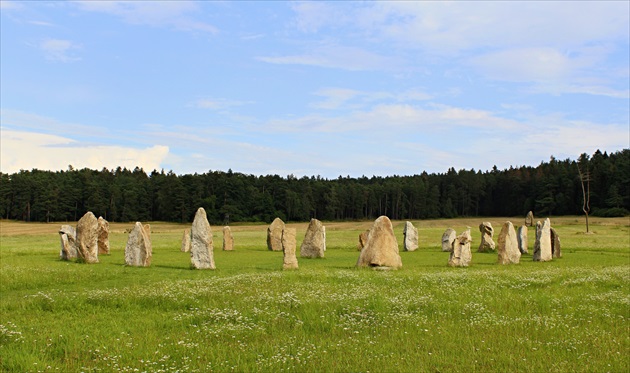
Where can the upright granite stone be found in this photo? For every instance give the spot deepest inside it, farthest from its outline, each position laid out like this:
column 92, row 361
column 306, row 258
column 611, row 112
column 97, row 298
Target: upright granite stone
column 529, row 219
column 508, row 245
column 87, row 238
column 542, row 246
column 138, row 252
column 186, row 241
column 103, row 236
column 410, row 234
column 461, row 256
column 289, row 246
column 201, row 246
column 68, row 236
column 381, row 249
column 274, row 235
column 448, row 238
column 228, row 239
column 147, row 230
column 314, row 243
column 556, row 251
column 363, row 237
column 523, row 241
column 487, row 244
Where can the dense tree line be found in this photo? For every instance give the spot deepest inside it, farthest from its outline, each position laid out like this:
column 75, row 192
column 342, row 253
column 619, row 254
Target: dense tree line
column 122, row 195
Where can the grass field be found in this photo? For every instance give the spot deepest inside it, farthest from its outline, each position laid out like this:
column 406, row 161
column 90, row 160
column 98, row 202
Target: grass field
column 568, row 315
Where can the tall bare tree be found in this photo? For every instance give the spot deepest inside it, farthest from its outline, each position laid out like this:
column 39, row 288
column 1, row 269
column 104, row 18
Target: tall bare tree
column 585, row 177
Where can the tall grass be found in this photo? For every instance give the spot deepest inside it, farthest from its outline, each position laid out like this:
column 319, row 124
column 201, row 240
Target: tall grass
column 571, row 314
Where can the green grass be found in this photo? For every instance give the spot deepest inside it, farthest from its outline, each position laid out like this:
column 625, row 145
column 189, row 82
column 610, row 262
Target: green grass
column 571, row 314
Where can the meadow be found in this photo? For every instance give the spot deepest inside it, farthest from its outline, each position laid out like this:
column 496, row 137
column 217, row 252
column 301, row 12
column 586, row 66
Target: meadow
column 571, row 314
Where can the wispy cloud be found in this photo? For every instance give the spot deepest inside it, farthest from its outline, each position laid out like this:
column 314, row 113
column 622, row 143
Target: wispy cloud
column 59, row 50
column 334, row 97
column 217, row 104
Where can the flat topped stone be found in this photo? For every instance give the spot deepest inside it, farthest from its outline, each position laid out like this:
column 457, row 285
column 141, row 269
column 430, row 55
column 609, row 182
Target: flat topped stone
column 228, row 239
column 314, row 243
column 381, row 249
column 201, row 245
column 461, row 255
column 274, row 235
column 542, row 245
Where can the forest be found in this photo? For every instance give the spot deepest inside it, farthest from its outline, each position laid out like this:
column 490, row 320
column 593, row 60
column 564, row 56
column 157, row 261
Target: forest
column 553, row 188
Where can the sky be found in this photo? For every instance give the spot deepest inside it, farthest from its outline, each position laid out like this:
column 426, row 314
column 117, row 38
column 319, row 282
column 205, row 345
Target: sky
column 311, row 88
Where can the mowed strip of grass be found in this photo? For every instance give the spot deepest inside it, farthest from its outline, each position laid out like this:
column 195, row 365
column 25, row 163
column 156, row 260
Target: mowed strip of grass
column 570, row 314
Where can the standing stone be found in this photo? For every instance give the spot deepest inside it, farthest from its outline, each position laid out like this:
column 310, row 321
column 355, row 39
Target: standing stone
column 103, row 236
column 138, row 252
column 87, row 238
column 487, row 244
column 556, row 251
column 201, row 246
column 529, row 219
column 363, row 237
column 289, row 246
column 522, row 239
column 508, row 245
column 410, row 234
column 381, row 249
column 447, row 239
column 68, row 237
column 186, row 241
column 274, row 235
column 228, row 239
column 314, row 244
column 542, row 246
column 147, row 229
column 461, row 256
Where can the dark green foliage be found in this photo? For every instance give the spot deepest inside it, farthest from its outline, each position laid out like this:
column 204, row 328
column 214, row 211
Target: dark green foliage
column 552, row 188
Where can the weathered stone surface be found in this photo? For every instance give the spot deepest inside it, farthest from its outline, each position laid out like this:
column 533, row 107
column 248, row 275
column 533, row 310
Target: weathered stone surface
column 529, row 219
column 201, row 245
column 274, row 235
column 289, row 246
column 138, row 252
column 228, row 239
column 447, row 239
column 461, row 256
column 147, row 229
column 68, row 237
column 103, row 236
column 381, row 248
column 314, row 243
column 523, row 241
column 87, row 238
column 508, row 245
column 410, row 234
column 363, row 237
column 556, row 250
column 186, row 241
column 542, row 245
column 487, row 244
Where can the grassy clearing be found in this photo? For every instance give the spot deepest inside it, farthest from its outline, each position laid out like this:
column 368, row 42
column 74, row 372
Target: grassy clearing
column 571, row 314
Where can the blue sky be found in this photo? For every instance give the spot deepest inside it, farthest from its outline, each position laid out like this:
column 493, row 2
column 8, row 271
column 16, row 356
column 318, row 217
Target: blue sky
column 311, row 88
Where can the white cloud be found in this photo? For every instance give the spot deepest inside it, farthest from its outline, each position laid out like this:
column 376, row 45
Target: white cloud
column 217, row 104
column 10, row 5
column 335, row 97
column 59, row 50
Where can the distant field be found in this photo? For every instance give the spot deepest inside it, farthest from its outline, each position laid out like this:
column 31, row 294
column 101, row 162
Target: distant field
column 571, row 314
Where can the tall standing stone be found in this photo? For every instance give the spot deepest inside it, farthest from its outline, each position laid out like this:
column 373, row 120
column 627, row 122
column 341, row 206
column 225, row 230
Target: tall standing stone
column 448, row 238
column 103, row 236
column 529, row 219
column 556, row 251
column 201, row 246
column 139, row 251
column 381, row 249
column 314, row 243
column 228, row 239
column 523, row 241
column 68, row 236
column 487, row 244
column 542, row 246
column 410, row 234
column 186, row 241
column 508, row 245
column 363, row 238
column 274, row 235
column 461, row 256
column 289, row 246
column 87, row 238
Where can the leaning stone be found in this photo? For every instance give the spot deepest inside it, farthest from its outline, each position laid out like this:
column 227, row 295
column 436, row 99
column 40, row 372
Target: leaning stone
column 314, row 244
column 508, row 245
column 522, row 239
column 529, row 219
column 542, row 246
column 201, row 246
column 186, row 241
column 487, row 244
column 363, row 237
column 461, row 256
column 68, row 236
column 381, row 249
column 447, row 239
column 274, row 235
column 138, row 252
column 556, row 251
column 410, row 234
column 228, row 239
column 289, row 246
column 87, row 238
column 103, row 236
